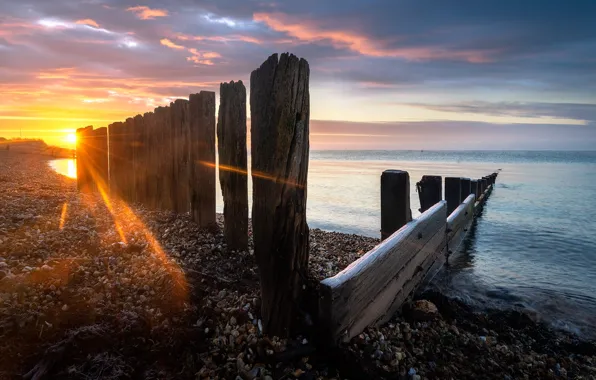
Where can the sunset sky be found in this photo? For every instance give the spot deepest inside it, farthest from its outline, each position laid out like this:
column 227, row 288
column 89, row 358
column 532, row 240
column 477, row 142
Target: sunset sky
column 395, row 74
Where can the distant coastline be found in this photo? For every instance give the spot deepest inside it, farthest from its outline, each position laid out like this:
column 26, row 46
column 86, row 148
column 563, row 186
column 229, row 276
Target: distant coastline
column 35, row 146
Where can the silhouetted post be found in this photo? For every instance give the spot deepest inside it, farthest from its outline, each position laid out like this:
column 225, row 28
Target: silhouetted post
column 452, row 193
column 280, row 113
column 82, row 149
column 180, row 174
column 150, row 163
column 395, row 201
column 231, row 145
column 101, row 157
column 165, row 167
column 138, row 146
column 430, row 191
column 202, row 156
column 465, row 190
column 474, row 188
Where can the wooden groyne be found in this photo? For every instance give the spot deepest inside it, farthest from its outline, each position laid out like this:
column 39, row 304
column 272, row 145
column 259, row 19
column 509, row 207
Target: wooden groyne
column 166, row 160
column 371, row 289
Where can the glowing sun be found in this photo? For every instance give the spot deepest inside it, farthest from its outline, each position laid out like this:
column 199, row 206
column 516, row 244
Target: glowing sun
column 71, row 138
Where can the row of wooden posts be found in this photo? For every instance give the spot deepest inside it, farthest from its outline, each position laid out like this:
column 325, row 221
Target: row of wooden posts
column 371, row 289
column 166, row 160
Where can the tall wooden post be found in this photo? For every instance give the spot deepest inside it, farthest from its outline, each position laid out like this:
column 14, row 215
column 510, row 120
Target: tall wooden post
column 484, row 184
column 82, row 151
column 231, row 145
column 138, row 159
column 100, row 155
column 395, row 201
column 150, row 162
column 452, row 193
column 165, row 167
column 180, row 173
column 202, row 158
column 280, row 115
column 430, row 191
column 466, row 189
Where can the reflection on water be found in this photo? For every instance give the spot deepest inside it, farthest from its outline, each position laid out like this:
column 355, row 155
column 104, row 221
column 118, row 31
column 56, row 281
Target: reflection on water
column 65, row 166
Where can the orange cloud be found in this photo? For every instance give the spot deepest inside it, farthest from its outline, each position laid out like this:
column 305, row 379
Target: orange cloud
column 202, row 58
column 146, row 13
column 305, row 30
column 170, row 44
column 89, row 22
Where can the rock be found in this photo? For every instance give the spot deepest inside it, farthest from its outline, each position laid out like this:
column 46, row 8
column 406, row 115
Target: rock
column 423, row 310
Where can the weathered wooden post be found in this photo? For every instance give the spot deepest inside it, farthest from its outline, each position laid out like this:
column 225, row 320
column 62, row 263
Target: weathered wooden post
column 231, row 145
column 466, row 189
column 280, row 113
column 474, row 188
column 180, row 173
column 164, row 158
column 484, row 184
column 139, row 159
column 101, row 157
column 202, row 158
column 395, row 201
column 82, row 151
column 430, row 191
column 452, row 193
column 150, row 163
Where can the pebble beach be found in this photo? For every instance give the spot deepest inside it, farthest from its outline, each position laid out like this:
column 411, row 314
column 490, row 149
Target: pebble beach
column 92, row 287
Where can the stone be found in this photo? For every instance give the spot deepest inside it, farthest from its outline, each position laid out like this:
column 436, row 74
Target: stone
column 423, row 310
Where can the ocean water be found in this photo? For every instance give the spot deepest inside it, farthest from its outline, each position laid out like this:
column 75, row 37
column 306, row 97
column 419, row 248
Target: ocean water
column 533, row 247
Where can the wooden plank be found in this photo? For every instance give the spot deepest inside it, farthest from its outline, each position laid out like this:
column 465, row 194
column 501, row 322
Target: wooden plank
column 202, row 158
column 395, row 201
column 233, row 175
column 280, row 112
column 430, row 191
column 459, row 222
column 369, row 288
column 138, row 158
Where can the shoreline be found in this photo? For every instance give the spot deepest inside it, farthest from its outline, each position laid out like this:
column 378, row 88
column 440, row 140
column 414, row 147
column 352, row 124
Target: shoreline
column 109, row 282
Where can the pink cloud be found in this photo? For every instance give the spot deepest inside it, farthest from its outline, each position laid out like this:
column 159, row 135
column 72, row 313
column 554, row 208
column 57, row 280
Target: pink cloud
column 305, row 30
column 170, row 44
column 146, row 13
column 89, row 22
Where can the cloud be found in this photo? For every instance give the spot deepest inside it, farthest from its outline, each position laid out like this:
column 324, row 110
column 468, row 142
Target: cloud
column 88, row 22
column 574, row 111
column 170, row 44
column 146, row 13
column 310, row 31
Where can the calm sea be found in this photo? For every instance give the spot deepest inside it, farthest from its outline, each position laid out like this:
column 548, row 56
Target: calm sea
column 534, row 247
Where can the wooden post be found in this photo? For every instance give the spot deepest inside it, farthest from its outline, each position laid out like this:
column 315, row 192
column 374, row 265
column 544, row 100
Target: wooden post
column 231, row 145
column 484, row 184
column 280, row 113
column 430, row 191
column 466, row 189
column 149, row 162
column 82, row 151
column 474, row 188
column 202, row 156
column 180, row 174
column 138, row 160
column 452, row 193
column 101, row 157
column 395, row 201
column 164, row 169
